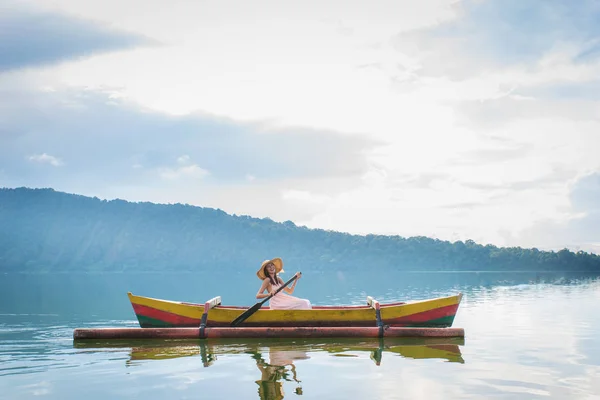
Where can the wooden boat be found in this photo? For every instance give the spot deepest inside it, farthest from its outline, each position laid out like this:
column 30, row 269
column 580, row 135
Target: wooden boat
column 431, row 313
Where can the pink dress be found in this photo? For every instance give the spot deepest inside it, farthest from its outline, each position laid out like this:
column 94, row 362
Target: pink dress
column 283, row 301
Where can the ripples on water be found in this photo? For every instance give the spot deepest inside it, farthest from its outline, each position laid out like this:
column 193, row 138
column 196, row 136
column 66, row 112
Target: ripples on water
column 523, row 340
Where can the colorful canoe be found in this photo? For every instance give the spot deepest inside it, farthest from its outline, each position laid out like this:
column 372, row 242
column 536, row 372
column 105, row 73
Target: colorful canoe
column 433, row 313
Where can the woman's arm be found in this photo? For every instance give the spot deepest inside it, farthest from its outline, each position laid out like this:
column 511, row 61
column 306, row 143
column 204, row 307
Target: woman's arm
column 289, row 290
column 263, row 287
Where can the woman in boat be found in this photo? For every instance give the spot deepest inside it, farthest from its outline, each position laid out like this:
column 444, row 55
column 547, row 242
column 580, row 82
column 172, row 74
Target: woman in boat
column 269, row 274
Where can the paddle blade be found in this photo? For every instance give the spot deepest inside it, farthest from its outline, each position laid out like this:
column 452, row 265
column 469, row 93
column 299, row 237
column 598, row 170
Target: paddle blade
column 246, row 314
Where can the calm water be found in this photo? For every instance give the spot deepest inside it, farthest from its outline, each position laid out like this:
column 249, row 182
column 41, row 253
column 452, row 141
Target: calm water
column 527, row 336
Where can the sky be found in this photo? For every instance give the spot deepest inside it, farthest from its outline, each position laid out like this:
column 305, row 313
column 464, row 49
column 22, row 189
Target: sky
column 455, row 120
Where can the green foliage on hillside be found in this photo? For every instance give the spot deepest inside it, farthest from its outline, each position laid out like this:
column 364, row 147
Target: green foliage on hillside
column 46, row 230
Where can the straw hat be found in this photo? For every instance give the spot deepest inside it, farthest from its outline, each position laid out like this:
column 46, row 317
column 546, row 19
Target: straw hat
column 278, row 267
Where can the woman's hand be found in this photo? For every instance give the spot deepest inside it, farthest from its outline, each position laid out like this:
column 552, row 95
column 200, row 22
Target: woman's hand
column 298, row 275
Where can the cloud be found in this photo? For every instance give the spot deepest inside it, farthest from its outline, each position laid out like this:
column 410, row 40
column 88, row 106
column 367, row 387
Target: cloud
column 580, row 231
column 303, row 195
column 556, row 176
column 498, row 153
column 565, row 91
column 185, row 169
column 491, row 34
column 500, row 62
column 107, row 143
column 46, row 159
column 423, row 180
column 30, row 38
column 586, row 193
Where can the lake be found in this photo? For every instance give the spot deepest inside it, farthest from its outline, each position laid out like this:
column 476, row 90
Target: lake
column 527, row 335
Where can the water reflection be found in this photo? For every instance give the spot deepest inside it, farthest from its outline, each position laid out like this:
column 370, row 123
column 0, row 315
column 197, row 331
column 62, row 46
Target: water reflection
column 278, row 369
column 283, row 351
column 277, row 360
column 416, row 348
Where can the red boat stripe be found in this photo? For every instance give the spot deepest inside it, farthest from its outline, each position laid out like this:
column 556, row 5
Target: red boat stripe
column 164, row 316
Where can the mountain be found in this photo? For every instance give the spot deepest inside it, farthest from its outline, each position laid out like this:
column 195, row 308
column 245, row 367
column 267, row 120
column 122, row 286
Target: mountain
column 47, row 230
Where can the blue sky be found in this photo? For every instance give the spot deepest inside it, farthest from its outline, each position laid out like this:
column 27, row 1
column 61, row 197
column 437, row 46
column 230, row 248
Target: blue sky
column 449, row 119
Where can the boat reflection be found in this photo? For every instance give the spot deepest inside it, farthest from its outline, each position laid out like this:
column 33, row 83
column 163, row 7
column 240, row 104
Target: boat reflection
column 276, row 358
column 416, row 348
column 281, row 350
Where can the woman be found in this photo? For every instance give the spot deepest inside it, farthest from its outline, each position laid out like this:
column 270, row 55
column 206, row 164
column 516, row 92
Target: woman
column 271, row 281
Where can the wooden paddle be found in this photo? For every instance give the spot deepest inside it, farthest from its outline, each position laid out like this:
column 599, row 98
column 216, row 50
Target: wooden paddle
column 246, row 314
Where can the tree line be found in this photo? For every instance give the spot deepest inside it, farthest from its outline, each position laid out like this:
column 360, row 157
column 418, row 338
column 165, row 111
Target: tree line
column 47, row 230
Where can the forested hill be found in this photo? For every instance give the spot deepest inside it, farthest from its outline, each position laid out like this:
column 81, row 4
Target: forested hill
column 46, row 230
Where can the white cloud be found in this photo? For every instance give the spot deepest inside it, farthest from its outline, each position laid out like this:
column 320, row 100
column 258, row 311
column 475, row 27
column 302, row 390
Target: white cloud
column 304, row 196
column 46, row 159
column 189, row 171
column 183, row 160
column 185, row 169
